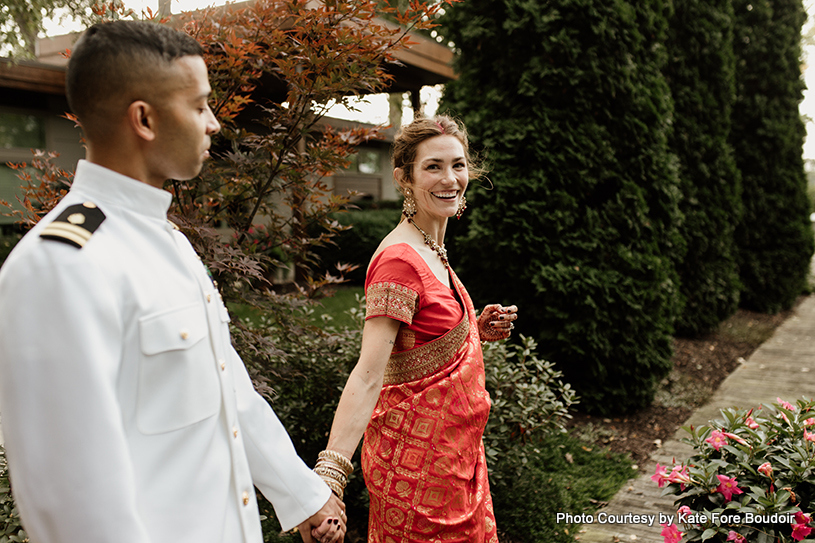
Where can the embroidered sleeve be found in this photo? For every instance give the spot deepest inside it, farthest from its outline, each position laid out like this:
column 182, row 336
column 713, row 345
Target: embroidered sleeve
column 391, row 300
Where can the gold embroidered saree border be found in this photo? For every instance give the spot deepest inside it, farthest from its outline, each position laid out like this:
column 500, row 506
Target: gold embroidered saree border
column 391, row 300
column 427, row 359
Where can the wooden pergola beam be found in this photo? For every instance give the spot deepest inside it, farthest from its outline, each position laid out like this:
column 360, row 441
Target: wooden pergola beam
column 32, row 77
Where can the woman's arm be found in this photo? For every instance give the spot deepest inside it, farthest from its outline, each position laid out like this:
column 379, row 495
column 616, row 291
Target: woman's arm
column 362, row 390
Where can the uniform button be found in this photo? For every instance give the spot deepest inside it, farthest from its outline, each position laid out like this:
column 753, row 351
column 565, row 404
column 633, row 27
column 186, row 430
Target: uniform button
column 234, row 431
column 209, row 298
column 223, row 364
column 245, row 498
column 184, row 334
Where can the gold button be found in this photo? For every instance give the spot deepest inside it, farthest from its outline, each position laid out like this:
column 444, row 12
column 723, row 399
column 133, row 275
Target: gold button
column 223, row 365
column 209, row 298
column 234, row 432
column 245, row 498
column 184, row 334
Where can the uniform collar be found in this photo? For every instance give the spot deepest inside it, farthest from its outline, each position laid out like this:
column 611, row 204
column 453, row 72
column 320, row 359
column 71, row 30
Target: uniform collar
column 103, row 186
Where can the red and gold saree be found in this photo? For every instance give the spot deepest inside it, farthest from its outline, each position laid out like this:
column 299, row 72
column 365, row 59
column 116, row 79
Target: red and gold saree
column 423, row 457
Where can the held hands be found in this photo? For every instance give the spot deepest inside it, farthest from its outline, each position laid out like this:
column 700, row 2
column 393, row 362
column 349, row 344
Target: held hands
column 327, row 525
column 496, row 322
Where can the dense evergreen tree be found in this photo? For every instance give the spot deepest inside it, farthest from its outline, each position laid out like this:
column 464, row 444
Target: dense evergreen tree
column 775, row 236
column 569, row 99
column 700, row 72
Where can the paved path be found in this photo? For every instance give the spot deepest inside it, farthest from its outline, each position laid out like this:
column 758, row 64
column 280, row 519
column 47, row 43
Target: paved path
column 784, row 366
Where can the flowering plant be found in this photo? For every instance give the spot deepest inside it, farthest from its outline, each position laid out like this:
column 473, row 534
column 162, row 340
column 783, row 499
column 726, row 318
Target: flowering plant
column 750, row 479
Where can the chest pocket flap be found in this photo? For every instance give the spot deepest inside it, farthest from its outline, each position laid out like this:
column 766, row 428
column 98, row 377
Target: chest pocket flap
column 178, row 382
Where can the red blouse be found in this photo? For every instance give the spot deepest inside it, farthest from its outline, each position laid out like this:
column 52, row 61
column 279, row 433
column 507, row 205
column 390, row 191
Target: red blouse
column 401, row 285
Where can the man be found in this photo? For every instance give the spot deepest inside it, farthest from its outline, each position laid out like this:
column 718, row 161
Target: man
column 128, row 417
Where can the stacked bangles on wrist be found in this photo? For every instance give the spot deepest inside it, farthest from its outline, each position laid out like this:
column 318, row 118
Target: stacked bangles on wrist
column 334, row 469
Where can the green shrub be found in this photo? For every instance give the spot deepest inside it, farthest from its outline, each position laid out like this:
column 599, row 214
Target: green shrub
column 529, row 401
column 574, row 113
column 10, row 527
column 563, row 475
column 357, row 245
column 774, row 239
column 700, row 71
column 7, row 243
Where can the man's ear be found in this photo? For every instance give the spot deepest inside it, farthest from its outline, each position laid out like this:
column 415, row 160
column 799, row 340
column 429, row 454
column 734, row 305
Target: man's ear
column 141, row 118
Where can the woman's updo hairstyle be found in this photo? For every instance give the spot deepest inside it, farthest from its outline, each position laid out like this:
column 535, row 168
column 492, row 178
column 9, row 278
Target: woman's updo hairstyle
column 424, row 128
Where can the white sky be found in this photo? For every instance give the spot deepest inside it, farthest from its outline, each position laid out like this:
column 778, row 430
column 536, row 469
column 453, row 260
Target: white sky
column 374, row 109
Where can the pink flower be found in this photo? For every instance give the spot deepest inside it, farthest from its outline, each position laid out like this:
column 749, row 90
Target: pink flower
column 809, row 436
column 810, row 421
column 799, row 531
column 679, row 474
column 671, row 533
column 728, row 487
column 685, row 510
column 717, row 439
column 734, row 437
column 766, row 469
column 786, row 405
column 735, row 536
column 802, row 518
column 661, row 476
column 753, row 425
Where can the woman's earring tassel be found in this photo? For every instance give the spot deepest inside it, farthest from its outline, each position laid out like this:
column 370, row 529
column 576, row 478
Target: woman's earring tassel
column 409, row 204
column 462, row 205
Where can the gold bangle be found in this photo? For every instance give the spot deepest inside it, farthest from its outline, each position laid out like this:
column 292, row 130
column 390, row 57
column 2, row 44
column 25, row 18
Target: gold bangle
column 344, row 463
column 336, row 486
column 335, row 475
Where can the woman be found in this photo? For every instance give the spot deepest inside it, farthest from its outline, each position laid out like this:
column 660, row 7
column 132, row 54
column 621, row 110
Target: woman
column 418, row 386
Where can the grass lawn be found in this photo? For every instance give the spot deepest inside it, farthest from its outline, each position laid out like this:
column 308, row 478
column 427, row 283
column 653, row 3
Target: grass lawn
column 332, row 310
column 336, row 306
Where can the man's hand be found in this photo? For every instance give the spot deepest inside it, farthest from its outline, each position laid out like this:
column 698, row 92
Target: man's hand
column 326, row 525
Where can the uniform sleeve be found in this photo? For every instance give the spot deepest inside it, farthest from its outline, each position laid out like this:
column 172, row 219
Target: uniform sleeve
column 393, row 288
column 294, row 490
column 60, row 348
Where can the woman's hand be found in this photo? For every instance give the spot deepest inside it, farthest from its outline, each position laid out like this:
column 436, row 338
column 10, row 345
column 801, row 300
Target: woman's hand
column 327, row 525
column 496, row 322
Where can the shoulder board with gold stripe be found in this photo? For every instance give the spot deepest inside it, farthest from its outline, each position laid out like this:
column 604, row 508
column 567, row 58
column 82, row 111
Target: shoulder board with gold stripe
column 75, row 225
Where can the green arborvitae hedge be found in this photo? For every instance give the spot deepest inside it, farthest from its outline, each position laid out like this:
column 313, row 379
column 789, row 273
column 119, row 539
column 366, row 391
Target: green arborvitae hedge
column 775, row 237
column 569, row 100
column 700, row 72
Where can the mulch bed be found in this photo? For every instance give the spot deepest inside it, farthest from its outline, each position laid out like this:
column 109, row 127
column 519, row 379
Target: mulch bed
column 700, row 365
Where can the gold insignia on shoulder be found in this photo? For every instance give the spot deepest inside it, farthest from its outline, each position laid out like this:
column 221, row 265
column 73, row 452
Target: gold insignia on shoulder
column 76, row 218
column 75, row 225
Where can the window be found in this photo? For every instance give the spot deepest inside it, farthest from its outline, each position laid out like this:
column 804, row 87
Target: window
column 366, row 161
column 21, row 131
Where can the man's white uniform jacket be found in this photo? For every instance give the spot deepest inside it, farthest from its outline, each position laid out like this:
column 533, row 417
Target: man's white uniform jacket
column 127, row 414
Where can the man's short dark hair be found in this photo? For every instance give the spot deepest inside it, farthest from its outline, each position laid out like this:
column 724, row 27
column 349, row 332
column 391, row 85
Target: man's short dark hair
column 117, row 63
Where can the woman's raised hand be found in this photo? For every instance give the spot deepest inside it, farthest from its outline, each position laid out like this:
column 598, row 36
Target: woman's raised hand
column 496, row 322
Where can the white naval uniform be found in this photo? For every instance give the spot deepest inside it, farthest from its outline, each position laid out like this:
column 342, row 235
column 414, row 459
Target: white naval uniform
column 127, row 414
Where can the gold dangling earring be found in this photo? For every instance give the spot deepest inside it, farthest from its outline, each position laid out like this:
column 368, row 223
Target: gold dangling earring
column 462, row 205
column 409, row 204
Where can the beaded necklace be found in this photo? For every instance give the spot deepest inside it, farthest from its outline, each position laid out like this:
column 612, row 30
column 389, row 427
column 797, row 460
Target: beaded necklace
column 430, row 242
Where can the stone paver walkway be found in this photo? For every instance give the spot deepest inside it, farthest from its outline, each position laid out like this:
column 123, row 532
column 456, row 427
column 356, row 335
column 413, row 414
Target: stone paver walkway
column 784, row 366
